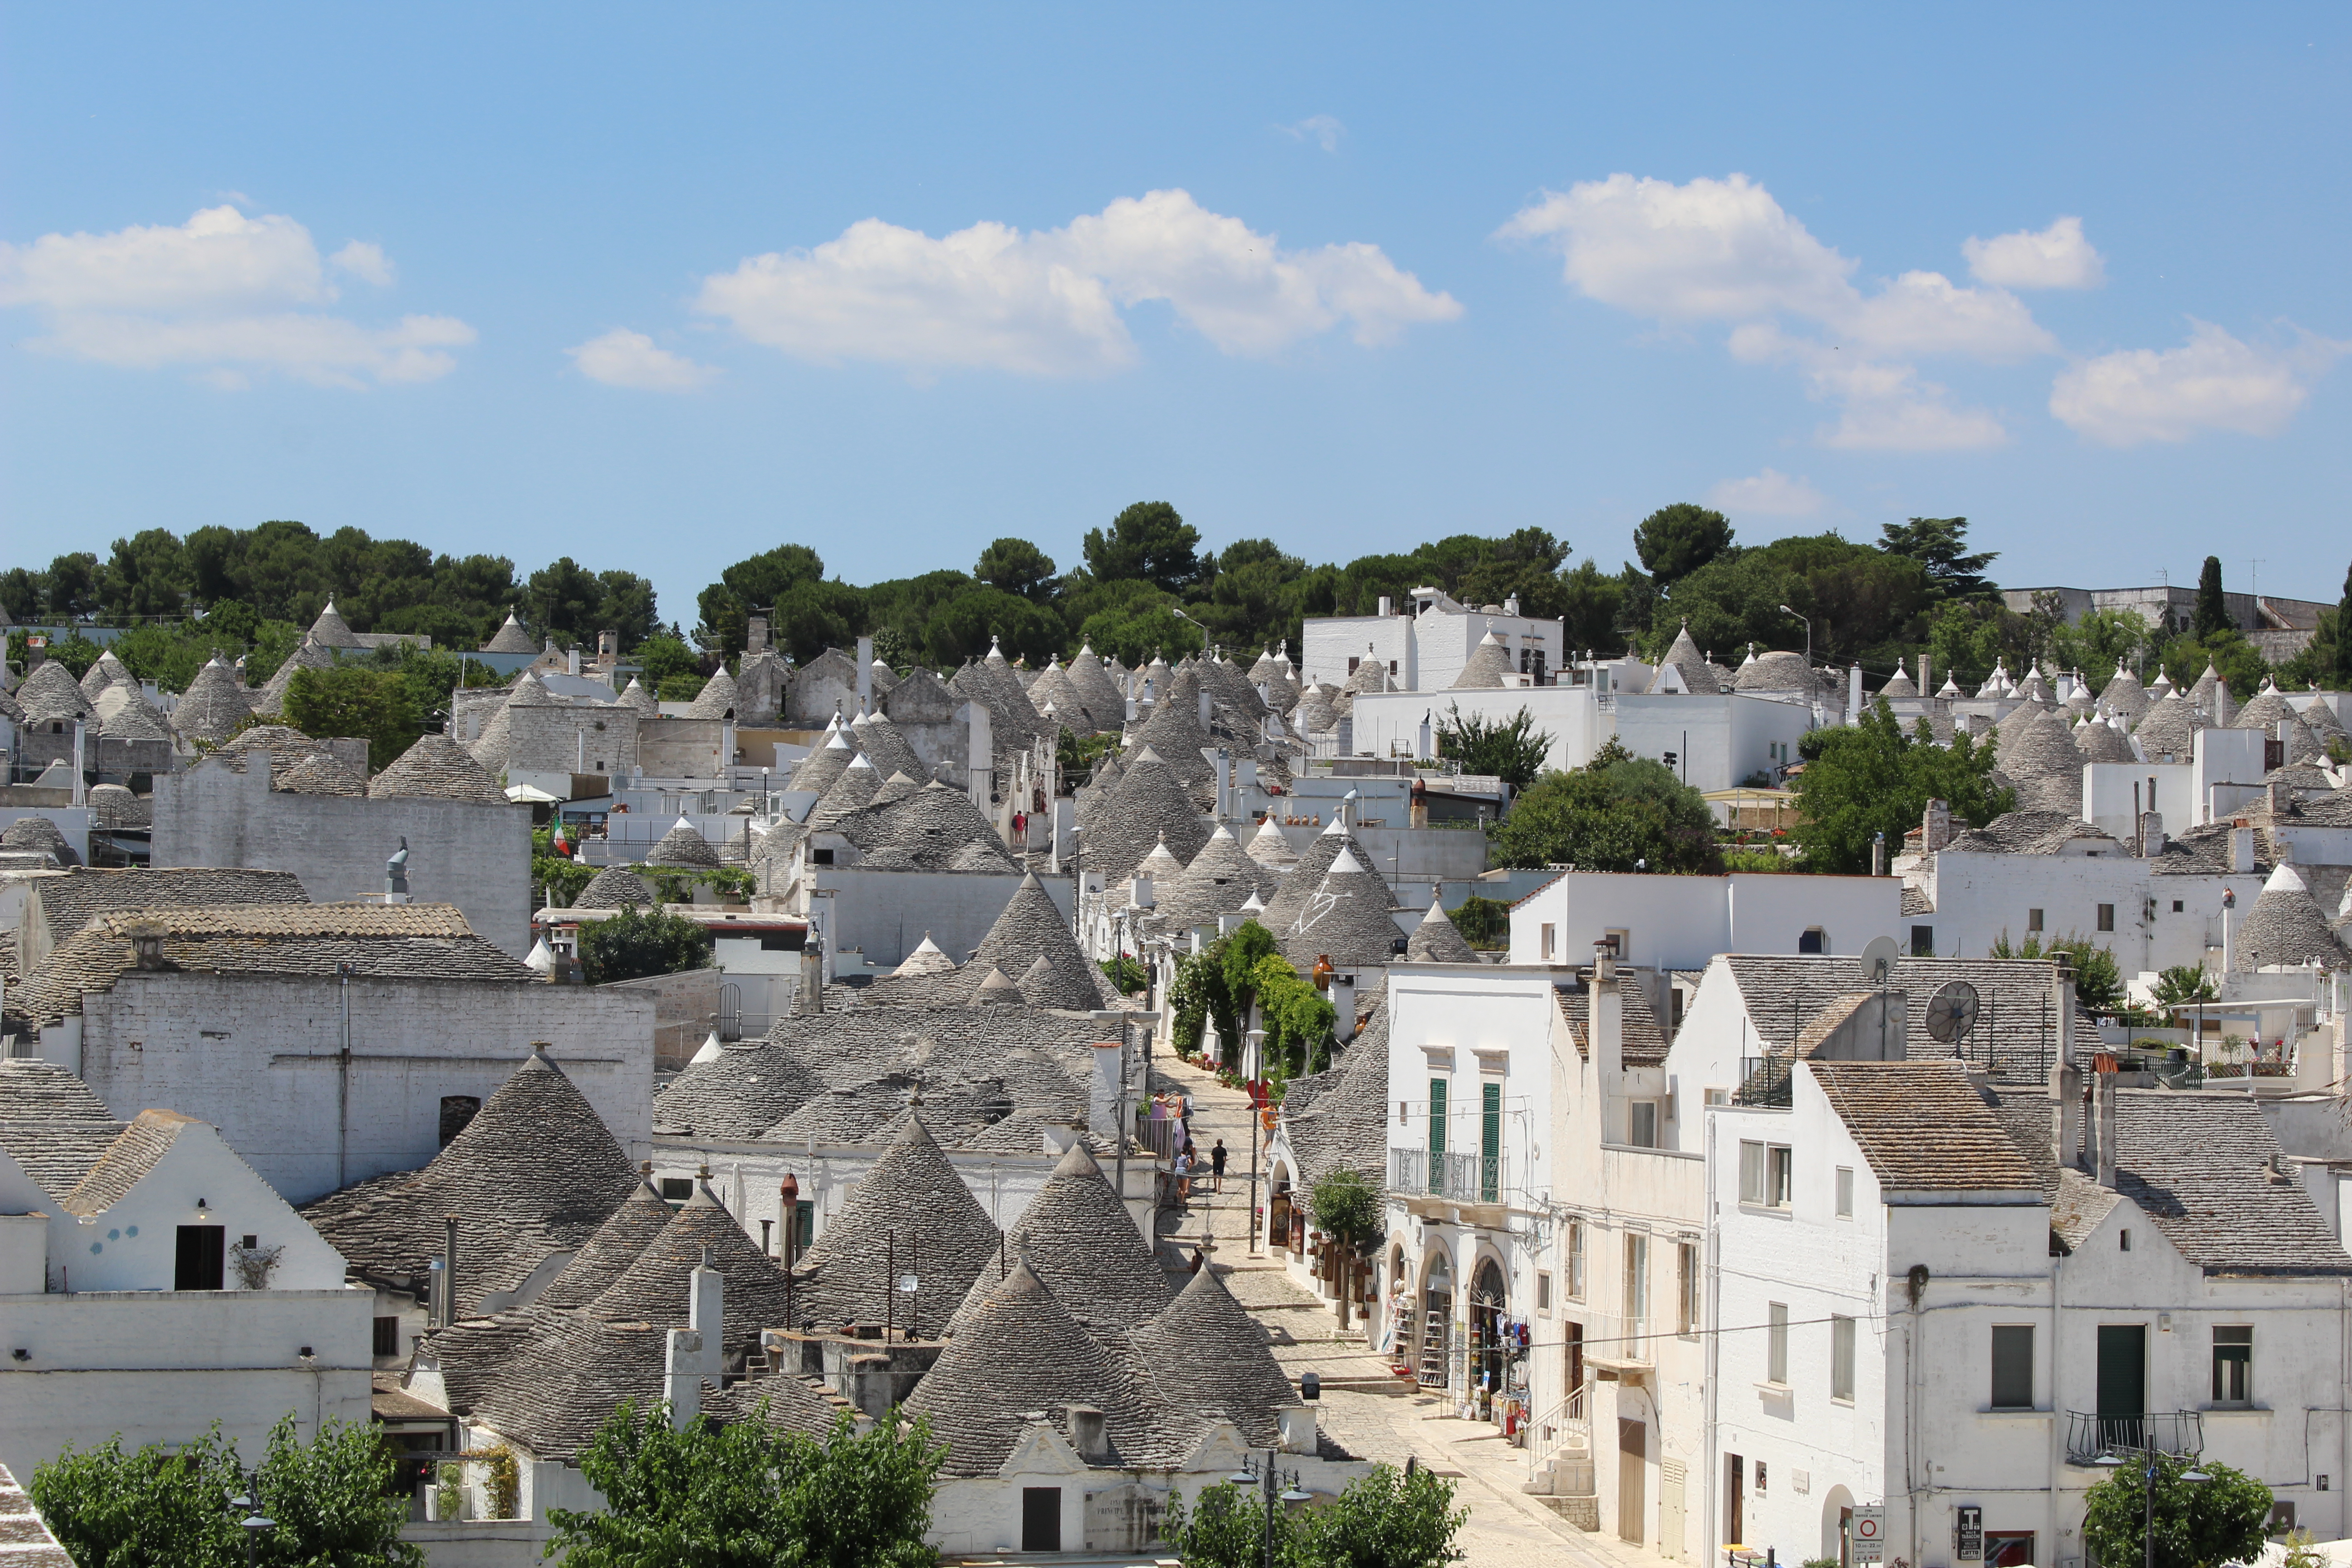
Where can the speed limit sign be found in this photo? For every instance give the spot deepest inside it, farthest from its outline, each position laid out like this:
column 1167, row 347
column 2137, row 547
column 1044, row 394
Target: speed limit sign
column 1869, row 1537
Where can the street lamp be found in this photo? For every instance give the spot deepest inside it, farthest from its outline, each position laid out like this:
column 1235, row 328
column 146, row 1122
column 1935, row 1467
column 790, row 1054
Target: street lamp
column 252, row 1524
column 1290, row 1492
column 2148, row 1496
column 1812, row 698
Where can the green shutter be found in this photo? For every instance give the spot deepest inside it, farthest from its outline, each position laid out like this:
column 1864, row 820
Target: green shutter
column 1490, row 1140
column 1437, row 1135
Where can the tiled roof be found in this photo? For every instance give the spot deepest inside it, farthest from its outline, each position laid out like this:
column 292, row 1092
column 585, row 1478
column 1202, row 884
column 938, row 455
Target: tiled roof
column 887, row 746
column 1217, row 880
column 2204, row 851
column 69, row 902
column 1314, row 712
column 926, row 959
column 2025, row 833
column 634, row 696
column 2017, row 1023
column 1642, row 1042
column 854, row 791
column 1488, row 663
column 783, row 1402
column 655, row 1287
column 322, row 773
column 271, row 698
column 2124, row 694
column 2199, row 1163
column 439, row 768
column 113, row 808
column 2168, row 729
column 105, row 671
column 1103, row 698
column 126, row 1160
column 510, row 637
column 2286, row 926
column 331, row 630
column 536, row 1172
column 1077, row 1235
column 913, row 1203
column 1923, row 1127
column 125, row 715
column 2100, row 741
column 420, row 941
column 1697, row 675
column 30, row 1543
column 716, row 698
column 51, row 1123
column 1340, row 1121
column 1174, row 731
column 1269, row 849
column 49, row 692
column 1299, row 884
column 825, row 763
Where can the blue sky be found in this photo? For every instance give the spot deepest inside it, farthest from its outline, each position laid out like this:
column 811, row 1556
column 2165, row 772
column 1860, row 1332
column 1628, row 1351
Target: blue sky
column 661, row 288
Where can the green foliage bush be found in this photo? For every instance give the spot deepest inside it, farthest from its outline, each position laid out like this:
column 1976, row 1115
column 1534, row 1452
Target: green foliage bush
column 2198, row 1524
column 1865, row 779
column 1512, row 750
column 1618, row 813
column 636, row 943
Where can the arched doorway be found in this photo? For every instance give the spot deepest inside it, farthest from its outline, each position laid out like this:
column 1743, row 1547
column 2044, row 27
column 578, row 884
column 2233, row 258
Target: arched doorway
column 1837, row 1527
column 1436, row 1317
column 1395, row 1305
column 1489, row 1346
column 1279, row 1217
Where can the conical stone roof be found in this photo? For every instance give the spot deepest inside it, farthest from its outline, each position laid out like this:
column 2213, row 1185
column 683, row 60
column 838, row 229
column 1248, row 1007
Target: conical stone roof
column 2100, row 741
column 2046, row 765
column 616, row 887
column 1032, row 927
column 1207, row 1355
column 1077, row 1235
column 1148, row 804
column 49, row 693
column 1315, row 713
column 1053, row 689
column 716, row 698
column 1684, row 657
column 926, row 959
column 884, row 742
column 995, row 990
column 2210, row 697
column 935, row 828
column 213, row 706
column 683, row 844
column 656, row 1287
column 824, row 765
column 1269, row 849
column 854, row 791
column 1158, row 867
column 1900, row 685
column 1290, row 895
column 105, row 671
column 1100, row 694
column 271, row 698
column 2169, row 730
column 2286, row 926
column 636, row 697
column 439, row 768
column 125, row 715
column 2265, row 709
column 616, row 1244
column 1174, row 732
column 1021, row 1350
column 943, row 1236
column 331, row 630
column 1488, row 665
column 1437, row 941
column 1214, row 882
column 1346, row 919
column 895, row 788
column 536, row 1172
column 509, row 639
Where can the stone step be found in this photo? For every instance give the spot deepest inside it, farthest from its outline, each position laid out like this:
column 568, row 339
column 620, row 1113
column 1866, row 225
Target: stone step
column 1583, row 1512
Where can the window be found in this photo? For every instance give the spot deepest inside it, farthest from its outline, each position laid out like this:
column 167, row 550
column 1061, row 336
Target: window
column 387, row 1336
column 1621, row 943
column 1686, row 1288
column 1760, row 1488
column 2034, row 919
column 197, row 1262
column 1767, row 1172
column 1845, row 1191
column 1575, row 1261
column 1436, row 1123
column 1645, row 1124
column 1543, row 1292
column 2008, row 1549
column 1490, row 1142
column 676, row 1189
column 2234, row 1364
column 456, row 1113
column 1550, row 942
column 1353, row 660
column 1842, row 1359
column 2177, row 906
column 2124, row 1238
column 1812, row 940
column 1923, row 942
column 2282, row 1521
column 1675, row 1009
column 2106, row 917
column 1637, row 1281
column 2013, row 1366
column 1776, row 1354
column 825, row 858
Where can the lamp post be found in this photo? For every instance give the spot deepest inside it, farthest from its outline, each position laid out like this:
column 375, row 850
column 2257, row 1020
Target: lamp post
column 252, row 1524
column 1812, row 700
column 1247, row 1475
column 2112, row 1461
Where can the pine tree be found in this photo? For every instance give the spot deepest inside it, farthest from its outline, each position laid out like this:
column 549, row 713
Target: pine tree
column 2212, row 613
column 2342, row 679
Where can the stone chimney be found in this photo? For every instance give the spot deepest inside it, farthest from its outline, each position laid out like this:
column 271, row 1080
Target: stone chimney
column 1924, row 690
column 696, row 1352
column 2066, row 1112
column 147, row 945
column 755, row 636
column 1089, row 1434
column 2151, row 834
column 2242, row 847
column 1936, row 826
column 2103, row 1117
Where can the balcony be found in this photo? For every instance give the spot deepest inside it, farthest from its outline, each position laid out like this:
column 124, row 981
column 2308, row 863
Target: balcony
column 2089, row 1437
column 1458, row 1178
column 1768, row 1081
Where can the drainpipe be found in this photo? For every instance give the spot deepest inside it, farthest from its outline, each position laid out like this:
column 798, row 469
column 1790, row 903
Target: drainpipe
column 343, row 1085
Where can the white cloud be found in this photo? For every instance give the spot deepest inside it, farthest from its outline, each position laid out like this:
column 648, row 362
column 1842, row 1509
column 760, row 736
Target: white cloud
column 2057, row 257
column 2213, row 382
column 1323, row 130
column 623, row 358
column 1048, row 302
column 1771, row 492
column 366, row 261
column 220, row 295
column 1726, row 251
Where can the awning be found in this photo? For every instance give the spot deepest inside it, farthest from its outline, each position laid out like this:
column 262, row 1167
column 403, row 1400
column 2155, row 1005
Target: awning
column 526, row 795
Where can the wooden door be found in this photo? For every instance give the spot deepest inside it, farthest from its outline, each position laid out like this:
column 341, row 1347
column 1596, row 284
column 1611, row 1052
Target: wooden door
column 1041, row 1519
column 1633, row 1461
column 1670, row 1507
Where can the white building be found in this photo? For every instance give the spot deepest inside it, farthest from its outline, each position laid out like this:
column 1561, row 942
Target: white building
column 169, row 1288
column 1426, row 641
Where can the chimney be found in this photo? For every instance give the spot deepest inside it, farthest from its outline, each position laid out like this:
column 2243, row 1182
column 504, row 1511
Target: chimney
column 2062, row 987
column 866, row 674
column 1088, row 1435
column 1924, row 690
column 608, row 648
column 2103, row 1113
column 2152, row 834
column 810, row 1000
column 2242, row 847
column 755, row 635
column 571, row 662
column 1606, row 1021
column 449, row 1268
column 696, row 1352
column 146, row 945
column 1853, row 695
column 1103, row 1087
column 1388, row 606
column 437, row 1293
column 1936, row 826
column 682, row 1377
column 2066, row 1111
column 1204, row 708
column 872, row 1384
column 1343, row 1006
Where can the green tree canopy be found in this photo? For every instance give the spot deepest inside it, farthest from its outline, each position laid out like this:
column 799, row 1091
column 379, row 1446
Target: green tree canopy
column 762, row 583
column 1675, row 541
column 330, row 1501
column 2198, row 1524
column 636, row 943
column 1150, row 540
column 1862, row 780
column 1940, row 547
column 2212, row 612
column 1618, row 813
column 1512, row 750
column 747, row 1496
column 355, row 699
column 1017, row 566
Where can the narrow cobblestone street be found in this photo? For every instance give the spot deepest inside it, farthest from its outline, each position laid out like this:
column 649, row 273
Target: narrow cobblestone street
column 1364, row 1406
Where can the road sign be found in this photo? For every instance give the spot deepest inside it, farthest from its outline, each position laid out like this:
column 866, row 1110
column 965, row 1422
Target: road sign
column 1869, row 1535
column 1968, row 1533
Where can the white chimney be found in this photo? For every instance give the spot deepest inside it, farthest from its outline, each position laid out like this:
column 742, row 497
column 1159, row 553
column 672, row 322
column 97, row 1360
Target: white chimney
column 1388, row 606
column 2241, row 850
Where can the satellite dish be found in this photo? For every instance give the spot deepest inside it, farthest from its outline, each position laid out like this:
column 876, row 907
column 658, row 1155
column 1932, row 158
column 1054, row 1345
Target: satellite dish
column 1952, row 1012
column 1878, row 960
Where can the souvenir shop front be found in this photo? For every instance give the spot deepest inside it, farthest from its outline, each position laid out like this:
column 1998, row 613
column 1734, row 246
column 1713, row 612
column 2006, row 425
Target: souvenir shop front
column 1464, row 1341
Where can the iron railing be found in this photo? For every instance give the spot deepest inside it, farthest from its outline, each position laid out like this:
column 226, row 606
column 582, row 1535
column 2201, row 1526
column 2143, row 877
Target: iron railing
column 1469, row 1178
column 2090, row 1437
column 1768, row 1081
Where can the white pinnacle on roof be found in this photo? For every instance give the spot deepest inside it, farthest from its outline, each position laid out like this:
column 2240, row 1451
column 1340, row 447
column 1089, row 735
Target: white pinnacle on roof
column 1268, row 847
column 1346, row 862
column 1253, row 905
column 2285, row 880
column 926, row 959
column 540, row 958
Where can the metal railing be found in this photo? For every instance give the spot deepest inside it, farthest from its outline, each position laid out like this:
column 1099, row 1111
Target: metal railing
column 1767, row 1081
column 1564, row 1426
column 2090, row 1437
column 1469, row 1178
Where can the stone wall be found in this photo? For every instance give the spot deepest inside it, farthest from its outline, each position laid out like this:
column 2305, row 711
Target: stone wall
column 475, row 857
column 685, row 1006
column 259, row 1058
column 601, row 738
